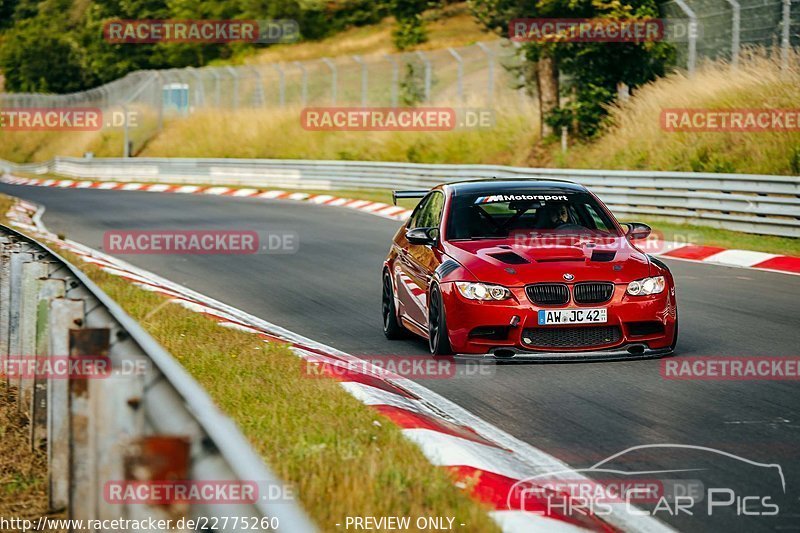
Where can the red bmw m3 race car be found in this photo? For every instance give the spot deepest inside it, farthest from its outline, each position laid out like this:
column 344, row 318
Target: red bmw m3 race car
column 526, row 268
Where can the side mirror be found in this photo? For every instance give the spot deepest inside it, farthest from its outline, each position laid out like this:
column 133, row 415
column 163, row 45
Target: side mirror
column 637, row 231
column 424, row 236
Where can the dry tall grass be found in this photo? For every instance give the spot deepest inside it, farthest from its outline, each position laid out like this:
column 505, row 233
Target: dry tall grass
column 636, row 140
column 278, row 133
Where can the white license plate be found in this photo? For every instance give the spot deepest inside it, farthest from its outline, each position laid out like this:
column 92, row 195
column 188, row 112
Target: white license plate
column 572, row 316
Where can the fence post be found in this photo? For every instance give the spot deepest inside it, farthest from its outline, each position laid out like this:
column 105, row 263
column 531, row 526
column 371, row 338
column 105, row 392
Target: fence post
column 235, row 76
column 199, row 91
column 217, row 90
column 334, row 75
column 126, row 146
column 159, row 100
column 735, row 32
column 490, row 66
column 460, row 63
column 65, row 314
column 282, row 83
column 692, row 59
column 258, row 94
column 360, row 61
column 395, row 77
column 427, row 64
column 786, row 33
column 304, row 81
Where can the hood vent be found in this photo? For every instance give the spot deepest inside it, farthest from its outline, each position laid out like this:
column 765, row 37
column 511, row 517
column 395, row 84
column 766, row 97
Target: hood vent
column 603, row 257
column 446, row 268
column 510, row 258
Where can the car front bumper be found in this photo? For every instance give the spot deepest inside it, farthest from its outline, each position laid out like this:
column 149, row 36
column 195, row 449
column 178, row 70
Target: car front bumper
column 626, row 315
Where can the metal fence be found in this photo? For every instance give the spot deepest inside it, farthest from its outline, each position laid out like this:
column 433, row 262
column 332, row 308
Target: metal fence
column 128, row 426
column 723, row 27
column 743, row 202
column 482, row 74
column 476, row 75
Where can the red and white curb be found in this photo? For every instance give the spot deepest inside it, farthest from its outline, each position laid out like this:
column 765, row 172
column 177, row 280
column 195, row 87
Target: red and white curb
column 376, row 208
column 784, row 264
column 476, row 453
column 673, row 250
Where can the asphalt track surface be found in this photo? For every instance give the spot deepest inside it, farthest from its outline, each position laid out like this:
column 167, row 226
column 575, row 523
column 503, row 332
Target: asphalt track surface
column 579, row 412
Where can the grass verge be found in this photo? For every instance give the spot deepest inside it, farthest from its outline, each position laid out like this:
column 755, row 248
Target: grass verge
column 341, row 457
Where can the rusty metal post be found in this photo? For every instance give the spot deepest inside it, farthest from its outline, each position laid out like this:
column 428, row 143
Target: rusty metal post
column 83, row 486
column 65, row 314
column 29, row 303
column 48, row 290
column 6, row 251
column 14, row 296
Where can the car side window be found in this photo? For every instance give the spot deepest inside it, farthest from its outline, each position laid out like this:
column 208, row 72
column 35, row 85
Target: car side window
column 431, row 213
column 416, row 216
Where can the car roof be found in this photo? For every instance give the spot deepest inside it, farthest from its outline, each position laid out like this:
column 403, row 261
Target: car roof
column 506, row 185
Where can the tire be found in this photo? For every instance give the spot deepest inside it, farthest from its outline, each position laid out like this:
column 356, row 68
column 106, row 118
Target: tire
column 391, row 326
column 438, row 340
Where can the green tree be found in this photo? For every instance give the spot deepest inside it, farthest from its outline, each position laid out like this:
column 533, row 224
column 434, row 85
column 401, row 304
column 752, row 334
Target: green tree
column 594, row 70
column 410, row 29
column 27, row 69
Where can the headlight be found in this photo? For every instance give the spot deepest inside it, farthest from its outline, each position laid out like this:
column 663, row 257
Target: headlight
column 646, row 286
column 482, row 291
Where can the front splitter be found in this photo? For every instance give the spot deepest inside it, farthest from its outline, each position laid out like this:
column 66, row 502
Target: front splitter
column 622, row 353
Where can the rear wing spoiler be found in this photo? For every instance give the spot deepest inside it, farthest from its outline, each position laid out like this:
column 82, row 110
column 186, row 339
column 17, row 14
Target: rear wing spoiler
column 408, row 194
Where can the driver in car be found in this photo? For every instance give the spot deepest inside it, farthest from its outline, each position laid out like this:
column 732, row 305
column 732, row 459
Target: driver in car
column 558, row 215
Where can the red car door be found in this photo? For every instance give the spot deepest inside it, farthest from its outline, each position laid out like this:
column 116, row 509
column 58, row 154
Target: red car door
column 419, row 261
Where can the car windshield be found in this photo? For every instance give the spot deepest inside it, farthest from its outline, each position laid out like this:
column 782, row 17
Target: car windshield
column 476, row 216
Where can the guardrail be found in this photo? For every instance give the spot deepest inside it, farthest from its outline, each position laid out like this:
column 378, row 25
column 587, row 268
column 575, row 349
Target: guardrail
column 144, row 420
column 742, row 202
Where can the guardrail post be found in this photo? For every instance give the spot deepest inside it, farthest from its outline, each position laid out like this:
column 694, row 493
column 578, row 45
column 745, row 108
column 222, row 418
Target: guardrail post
column 6, row 250
column 18, row 259
column 48, row 290
column 65, row 314
column 29, row 304
column 83, row 489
